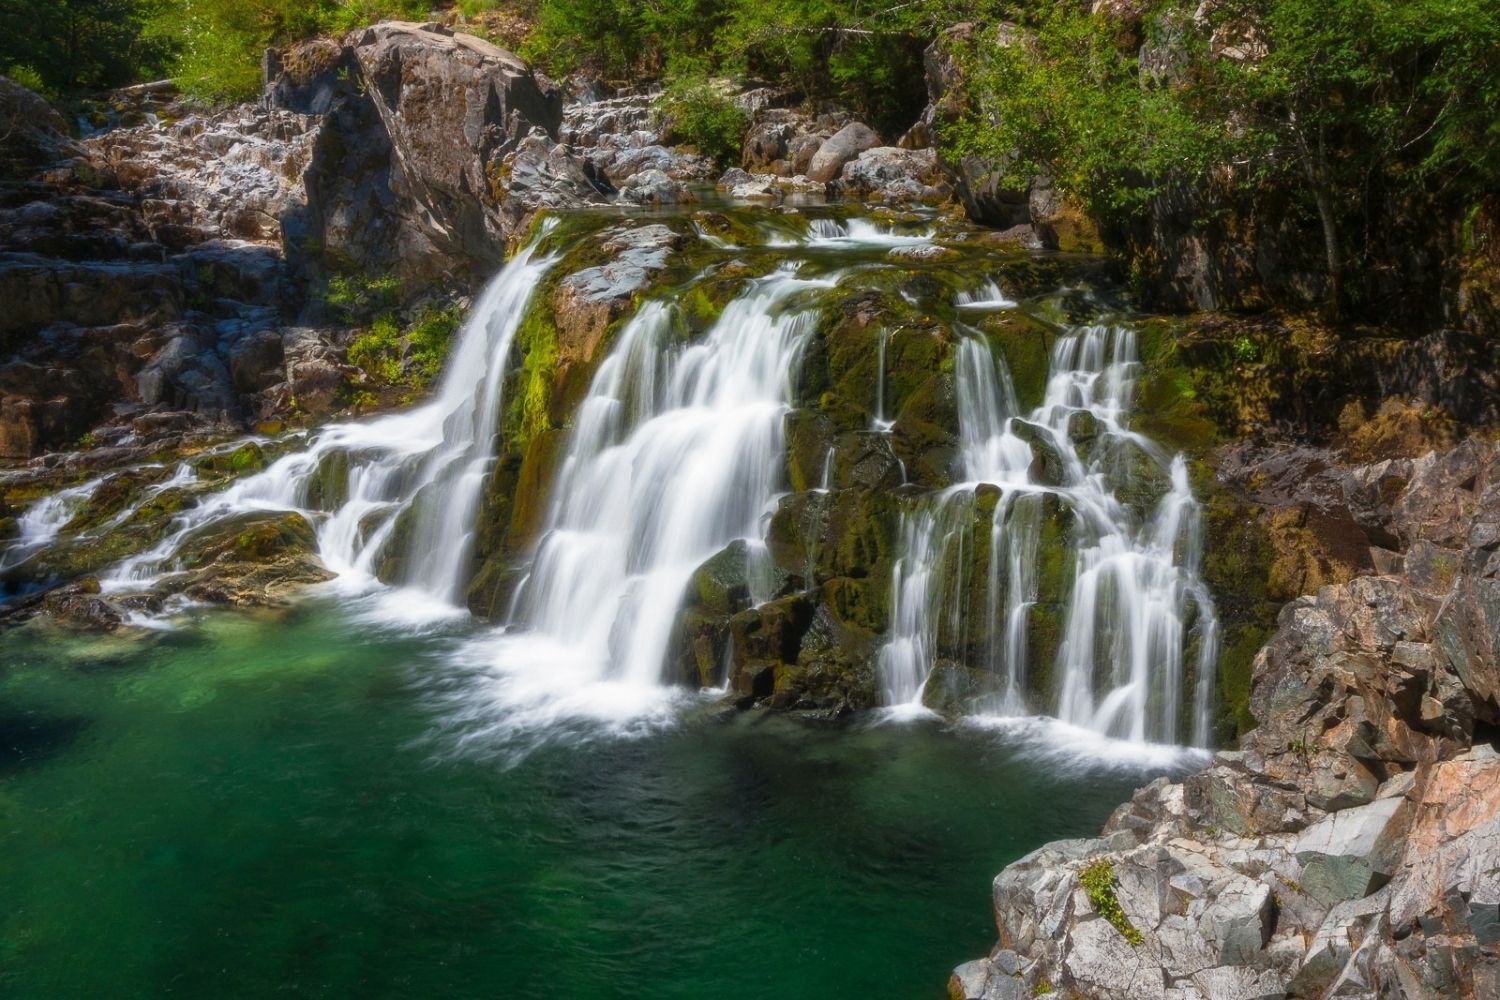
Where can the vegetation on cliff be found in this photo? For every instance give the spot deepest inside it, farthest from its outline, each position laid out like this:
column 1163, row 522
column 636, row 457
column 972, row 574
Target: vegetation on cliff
column 1358, row 124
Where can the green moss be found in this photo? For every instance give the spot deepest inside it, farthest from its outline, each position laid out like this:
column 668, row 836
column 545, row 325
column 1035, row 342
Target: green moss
column 1025, row 343
column 536, row 347
column 1236, row 669
column 1098, row 881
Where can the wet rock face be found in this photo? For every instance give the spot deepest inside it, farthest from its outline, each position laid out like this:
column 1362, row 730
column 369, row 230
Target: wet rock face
column 1352, row 845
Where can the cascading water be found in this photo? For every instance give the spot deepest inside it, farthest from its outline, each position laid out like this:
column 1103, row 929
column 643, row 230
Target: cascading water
column 1136, row 603
column 355, row 481
column 675, row 453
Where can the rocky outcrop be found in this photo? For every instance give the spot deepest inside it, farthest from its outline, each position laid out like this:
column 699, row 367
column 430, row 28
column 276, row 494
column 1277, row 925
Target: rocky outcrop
column 35, row 135
column 889, row 174
column 414, row 123
column 1349, row 847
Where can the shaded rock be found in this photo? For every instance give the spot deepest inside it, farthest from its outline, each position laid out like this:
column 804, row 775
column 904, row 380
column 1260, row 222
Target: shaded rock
column 416, row 123
column 34, row 136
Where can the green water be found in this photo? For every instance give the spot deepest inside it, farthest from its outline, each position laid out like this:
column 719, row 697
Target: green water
column 257, row 807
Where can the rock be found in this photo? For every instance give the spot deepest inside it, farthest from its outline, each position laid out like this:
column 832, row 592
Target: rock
column 79, row 606
column 1351, row 853
column 982, row 980
column 256, row 559
column 587, row 300
column 405, row 175
column 35, row 136
column 843, row 146
column 889, row 174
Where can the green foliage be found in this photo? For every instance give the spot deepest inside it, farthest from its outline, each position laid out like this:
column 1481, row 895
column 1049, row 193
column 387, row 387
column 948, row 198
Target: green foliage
column 30, row 79
column 1098, row 881
column 378, row 351
column 412, row 357
column 218, row 43
column 868, row 60
column 58, row 46
column 358, row 298
column 699, row 114
column 1364, row 114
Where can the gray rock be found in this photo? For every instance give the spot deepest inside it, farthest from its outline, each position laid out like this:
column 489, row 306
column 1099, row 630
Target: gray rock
column 843, row 146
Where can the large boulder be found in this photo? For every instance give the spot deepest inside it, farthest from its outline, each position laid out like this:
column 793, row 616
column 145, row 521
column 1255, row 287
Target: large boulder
column 886, row 173
column 416, row 122
column 843, row 146
column 33, row 135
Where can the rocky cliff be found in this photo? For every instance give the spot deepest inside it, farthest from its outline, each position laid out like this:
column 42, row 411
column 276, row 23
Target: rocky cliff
column 1349, row 846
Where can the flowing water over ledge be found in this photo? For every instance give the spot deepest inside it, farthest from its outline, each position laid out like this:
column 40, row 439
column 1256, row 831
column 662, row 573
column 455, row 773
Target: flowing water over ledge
column 251, row 807
column 375, row 794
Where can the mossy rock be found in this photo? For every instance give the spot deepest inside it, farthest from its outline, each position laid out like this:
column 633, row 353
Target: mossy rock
column 111, row 497
column 953, row 688
column 834, row 673
column 797, row 533
column 860, row 538
column 491, row 592
column 809, row 442
column 328, row 487
column 241, row 461
column 865, row 460
column 766, row 638
column 858, row 604
column 533, row 494
column 722, row 585
column 700, row 651
column 1048, row 465
column 1025, row 344
column 924, row 435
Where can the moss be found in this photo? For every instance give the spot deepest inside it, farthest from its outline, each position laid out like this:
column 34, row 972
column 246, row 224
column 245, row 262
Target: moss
column 535, row 346
column 1025, row 343
column 1236, row 673
column 1098, row 881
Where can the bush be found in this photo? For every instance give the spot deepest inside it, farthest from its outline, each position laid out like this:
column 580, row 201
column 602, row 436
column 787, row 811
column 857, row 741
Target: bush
column 697, row 113
column 218, row 43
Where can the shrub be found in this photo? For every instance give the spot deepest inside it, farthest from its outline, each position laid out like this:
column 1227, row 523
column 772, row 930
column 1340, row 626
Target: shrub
column 1098, row 881
column 699, row 114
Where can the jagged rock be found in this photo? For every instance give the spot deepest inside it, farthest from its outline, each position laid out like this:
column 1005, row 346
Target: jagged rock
column 255, row 559
column 79, row 606
column 1352, row 846
column 887, row 173
column 843, row 146
column 589, row 299
column 34, row 136
column 405, row 175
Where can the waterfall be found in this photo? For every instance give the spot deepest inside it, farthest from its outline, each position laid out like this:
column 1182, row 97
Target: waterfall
column 1136, row 602
column 675, row 452
column 356, row 481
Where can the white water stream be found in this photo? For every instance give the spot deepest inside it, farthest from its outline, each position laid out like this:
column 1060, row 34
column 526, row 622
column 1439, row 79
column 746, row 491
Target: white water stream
column 354, row 481
column 677, row 451
column 1136, row 598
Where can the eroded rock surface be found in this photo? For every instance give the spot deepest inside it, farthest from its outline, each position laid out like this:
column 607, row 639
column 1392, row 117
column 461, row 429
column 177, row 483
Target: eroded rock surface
column 1351, row 847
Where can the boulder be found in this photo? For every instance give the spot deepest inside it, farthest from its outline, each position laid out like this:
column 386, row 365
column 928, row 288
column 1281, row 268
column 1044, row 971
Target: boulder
column 34, row 135
column 886, row 173
column 843, row 146
column 416, row 121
